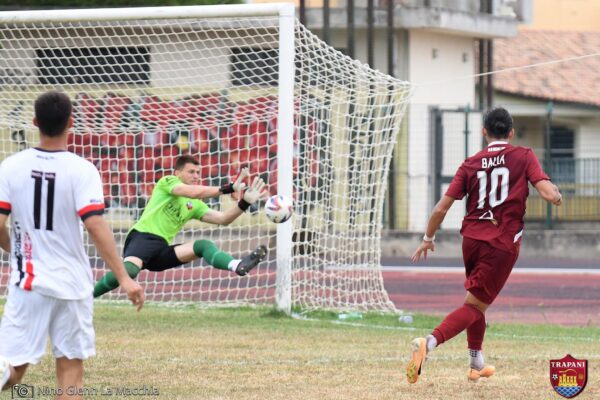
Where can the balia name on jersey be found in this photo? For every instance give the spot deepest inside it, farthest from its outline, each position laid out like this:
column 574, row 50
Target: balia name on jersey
column 492, row 161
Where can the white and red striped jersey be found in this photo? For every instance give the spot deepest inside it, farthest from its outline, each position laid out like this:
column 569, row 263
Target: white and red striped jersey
column 48, row 195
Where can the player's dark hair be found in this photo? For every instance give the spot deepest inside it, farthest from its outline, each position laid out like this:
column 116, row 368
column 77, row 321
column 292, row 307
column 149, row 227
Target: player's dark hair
column 182, row 160
column 52, row 111
column 498, row 123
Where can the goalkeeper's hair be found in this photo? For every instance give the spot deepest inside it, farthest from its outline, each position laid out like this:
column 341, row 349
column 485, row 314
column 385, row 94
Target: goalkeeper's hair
column 498, row 123
column 186, row 159
column 52, row 112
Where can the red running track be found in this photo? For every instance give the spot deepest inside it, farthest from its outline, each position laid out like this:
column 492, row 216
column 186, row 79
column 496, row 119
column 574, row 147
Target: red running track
column 564, row 299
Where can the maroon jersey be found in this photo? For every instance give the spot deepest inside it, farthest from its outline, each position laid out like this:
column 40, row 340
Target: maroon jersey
column 496, row 182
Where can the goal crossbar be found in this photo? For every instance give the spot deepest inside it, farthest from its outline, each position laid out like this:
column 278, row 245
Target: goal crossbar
column 173, row 12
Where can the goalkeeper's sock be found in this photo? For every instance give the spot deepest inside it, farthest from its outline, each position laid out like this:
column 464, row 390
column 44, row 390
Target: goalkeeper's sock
column 109, row 281
column 212, row 254
column 233, row 264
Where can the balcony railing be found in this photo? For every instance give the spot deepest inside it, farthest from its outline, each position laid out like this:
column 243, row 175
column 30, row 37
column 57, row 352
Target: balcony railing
column 579, row 182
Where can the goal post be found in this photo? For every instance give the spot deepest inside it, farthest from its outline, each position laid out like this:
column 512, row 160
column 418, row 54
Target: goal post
column 285, row 154
column 234, row 86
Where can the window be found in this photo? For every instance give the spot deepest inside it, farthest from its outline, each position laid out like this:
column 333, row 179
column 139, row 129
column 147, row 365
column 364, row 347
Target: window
column 254, row 66
column 562, row 144
column 129, row 65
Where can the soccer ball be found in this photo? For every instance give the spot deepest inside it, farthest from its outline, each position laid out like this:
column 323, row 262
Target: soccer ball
column 279, row 208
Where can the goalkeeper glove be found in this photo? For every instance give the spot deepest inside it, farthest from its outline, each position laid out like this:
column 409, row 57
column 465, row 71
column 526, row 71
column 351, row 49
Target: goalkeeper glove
column 252, row 194
column 236, row 186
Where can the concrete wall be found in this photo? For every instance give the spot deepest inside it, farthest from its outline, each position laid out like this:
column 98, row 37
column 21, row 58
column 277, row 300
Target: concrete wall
column 569, row 15
column 433, row 57
column 587, row 140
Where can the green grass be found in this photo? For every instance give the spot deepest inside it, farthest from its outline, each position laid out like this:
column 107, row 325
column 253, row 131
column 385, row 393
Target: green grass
column 258, row 353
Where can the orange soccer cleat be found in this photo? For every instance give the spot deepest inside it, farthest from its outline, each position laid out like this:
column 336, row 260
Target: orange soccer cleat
column 485, row 372
column 419, row 351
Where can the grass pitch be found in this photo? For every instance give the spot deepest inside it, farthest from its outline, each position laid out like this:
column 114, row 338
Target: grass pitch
column 256, row 353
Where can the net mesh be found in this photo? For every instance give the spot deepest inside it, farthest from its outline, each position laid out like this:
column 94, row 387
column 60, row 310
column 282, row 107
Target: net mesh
column 147, row 91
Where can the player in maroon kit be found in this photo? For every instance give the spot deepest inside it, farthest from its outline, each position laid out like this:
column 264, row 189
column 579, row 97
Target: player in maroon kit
column 495, row 181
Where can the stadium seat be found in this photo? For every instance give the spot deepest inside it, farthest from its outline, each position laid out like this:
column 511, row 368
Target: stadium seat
column 201, row 138
column 127, row 189
column 258, row 160
column 146, row 189
column 166, row 157
column 86, row 112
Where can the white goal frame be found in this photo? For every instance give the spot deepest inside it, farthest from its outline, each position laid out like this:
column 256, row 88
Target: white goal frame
column 286, row 14
column 287, row 30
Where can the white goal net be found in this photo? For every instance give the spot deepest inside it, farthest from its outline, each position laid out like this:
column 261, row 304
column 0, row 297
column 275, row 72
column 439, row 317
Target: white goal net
column 211, row 82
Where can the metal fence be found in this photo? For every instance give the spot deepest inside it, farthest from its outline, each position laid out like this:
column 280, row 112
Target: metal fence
column 579, row 182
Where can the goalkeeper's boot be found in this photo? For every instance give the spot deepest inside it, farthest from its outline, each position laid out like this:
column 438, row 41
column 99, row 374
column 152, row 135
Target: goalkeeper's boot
column 4, row 371
column 485, row 372
column 419, row 351
column 251, row 260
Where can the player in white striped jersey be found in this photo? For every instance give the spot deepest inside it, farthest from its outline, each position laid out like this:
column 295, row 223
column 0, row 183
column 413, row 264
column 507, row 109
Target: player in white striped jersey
column 50, row 194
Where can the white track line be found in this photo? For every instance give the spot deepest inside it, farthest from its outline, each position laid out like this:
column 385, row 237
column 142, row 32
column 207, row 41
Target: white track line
column 560, row 271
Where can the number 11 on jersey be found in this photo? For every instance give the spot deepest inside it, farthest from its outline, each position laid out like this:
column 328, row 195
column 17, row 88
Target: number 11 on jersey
column 37, row 198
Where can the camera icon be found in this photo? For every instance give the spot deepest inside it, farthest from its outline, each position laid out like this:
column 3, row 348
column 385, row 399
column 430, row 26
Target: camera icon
column 20, row 391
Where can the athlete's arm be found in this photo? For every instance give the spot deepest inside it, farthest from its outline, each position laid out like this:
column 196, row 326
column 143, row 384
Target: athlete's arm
column 4, row 237
column 196, row 191
column 549, row 192
column 104, row 241
column 204, row 192
column 435, row 220
column 251, row 196
column 222, row 218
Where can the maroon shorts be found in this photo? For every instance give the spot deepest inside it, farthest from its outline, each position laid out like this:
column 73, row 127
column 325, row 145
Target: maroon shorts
column 487, row 268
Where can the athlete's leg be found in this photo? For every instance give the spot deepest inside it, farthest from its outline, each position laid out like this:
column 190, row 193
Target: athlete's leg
column 207, row 250
column 217, row 258
column 454, row 323
column 484, row 283
column 475, row 335
column 23, row 333
column 10, row 375
column 69, row 375
column 108, row 282
column 73, row 341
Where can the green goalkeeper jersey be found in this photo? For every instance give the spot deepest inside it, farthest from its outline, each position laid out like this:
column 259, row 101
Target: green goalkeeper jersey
column 165, row 214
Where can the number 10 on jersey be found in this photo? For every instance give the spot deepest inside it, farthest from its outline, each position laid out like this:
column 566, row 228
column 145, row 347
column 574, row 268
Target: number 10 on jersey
column 498, row 176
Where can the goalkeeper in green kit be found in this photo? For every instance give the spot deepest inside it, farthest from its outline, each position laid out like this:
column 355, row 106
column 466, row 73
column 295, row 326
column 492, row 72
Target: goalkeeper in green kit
column 175, row 201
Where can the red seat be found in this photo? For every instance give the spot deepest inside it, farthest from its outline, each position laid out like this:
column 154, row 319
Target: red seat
column 153, row 137
column 146, row 189
column 166, row 157
column 201, row 139
column 114, row 106
column 86, row 112
column 258, row 160
column 127, row 189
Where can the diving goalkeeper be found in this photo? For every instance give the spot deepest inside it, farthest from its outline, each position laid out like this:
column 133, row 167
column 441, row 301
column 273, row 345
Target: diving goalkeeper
column 175, row 201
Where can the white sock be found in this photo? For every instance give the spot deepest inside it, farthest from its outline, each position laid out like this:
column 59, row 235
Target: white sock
column 431, row 342
column 233, row 264
column 477, row 361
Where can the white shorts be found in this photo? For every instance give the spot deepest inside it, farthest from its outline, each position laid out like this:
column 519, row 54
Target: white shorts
column 29, row 318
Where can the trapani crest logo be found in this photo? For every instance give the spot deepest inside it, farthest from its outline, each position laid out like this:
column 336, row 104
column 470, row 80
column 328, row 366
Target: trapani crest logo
column 568, row 376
